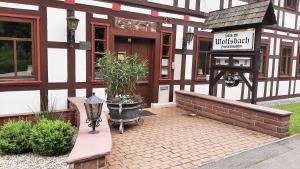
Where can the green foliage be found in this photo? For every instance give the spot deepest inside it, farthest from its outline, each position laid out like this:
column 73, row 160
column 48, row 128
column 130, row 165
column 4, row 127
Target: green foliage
column 121, row 74
column 294, row 126
column 48, row 112
column 51, row 137
column 14, row 137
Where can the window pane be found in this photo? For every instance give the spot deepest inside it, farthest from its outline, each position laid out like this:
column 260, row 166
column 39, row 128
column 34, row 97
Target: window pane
column 99, row 33
column 99, row 46
column 204, row 58
column 205, row 45
column 98, row 74
column 166, row 39
column 285, row 70
column 24, row 59
column 6, row 59
column 262, row 55
column 15, row 29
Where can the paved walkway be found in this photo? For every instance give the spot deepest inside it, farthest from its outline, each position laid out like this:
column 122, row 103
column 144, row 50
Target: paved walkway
column 284, row 154
column 171, row 139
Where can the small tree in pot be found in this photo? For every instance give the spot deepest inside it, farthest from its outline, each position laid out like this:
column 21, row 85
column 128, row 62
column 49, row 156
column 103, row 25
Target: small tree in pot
column 120, row 75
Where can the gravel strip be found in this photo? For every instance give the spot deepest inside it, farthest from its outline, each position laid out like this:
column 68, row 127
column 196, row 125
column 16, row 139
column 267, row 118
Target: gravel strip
column 32, row 161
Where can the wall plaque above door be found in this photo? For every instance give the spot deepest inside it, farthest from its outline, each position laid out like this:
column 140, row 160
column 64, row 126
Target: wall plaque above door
column 135, row 25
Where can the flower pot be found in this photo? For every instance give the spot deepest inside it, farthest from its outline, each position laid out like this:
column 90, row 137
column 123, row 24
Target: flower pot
column 124, row 113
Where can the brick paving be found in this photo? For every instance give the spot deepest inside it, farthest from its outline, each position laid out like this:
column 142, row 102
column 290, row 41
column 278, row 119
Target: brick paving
column 171, row 139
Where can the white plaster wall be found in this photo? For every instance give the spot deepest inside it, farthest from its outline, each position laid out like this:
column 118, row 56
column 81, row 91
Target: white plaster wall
column 276, row 2
column 260, row 89
column 13, row 102
column 57, row 65
column 281, row 3
column 188, row 67
column 164, row 2
column 268, row 89
column 192, row 5
column 100, row 92
column 277, row 50
column 203, row 89
column 276, row 68
column 181, row 3
column 233, row 93
column 297, row 88
column 80, row 92
column 56, row 26
column 58, row 99
column 19, row 6
column 238, row 3
column 80, row 65
column 209, row 5
column 270, row 68
column 81, row 29
column 280, row 20
column 187, row 88
column 272, row 45
column 294, row 68
column 283, row 88
column 170, row 15
column 219, row 90
column 226, row 4
column 175, row 88
column 100, row 16
column 179, row 36
column 190, row 45
column 298, row 22
column 292, row 87
column 136, row 9
column 163, row 93
column 246, row 90
column 274, row 88
column 289, row 20
column 94, row 3
column 295, row 48
column 177, row 68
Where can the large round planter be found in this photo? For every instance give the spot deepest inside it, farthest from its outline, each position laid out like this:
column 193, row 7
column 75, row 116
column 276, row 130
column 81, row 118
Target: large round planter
column 124, row 113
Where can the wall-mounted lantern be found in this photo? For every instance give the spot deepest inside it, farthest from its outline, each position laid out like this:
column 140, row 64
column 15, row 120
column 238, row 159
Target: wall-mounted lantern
column 93, row 106
column 72, row 23
column 187, row 39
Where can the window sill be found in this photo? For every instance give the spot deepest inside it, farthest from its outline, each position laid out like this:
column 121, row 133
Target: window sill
column 97, row 82
column 284, row 76
column 165, row 80
column 20, row 83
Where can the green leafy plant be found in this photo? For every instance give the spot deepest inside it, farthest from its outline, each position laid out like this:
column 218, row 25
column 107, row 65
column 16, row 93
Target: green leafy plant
column 51, row 137
column 48, row 112
column 120, row 75
column 14, row 137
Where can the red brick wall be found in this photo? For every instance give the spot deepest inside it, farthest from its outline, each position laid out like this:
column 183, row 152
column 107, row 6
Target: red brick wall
column 262, row 119
column 66, row 115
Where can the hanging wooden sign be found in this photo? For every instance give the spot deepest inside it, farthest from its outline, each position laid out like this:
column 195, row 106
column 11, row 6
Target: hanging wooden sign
column 234, row 40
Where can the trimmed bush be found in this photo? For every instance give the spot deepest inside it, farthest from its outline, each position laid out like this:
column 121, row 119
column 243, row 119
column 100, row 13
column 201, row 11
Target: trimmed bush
column 51, row 137
column 14, row 137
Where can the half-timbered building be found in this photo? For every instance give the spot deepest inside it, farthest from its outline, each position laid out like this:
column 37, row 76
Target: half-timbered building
column 38, row 65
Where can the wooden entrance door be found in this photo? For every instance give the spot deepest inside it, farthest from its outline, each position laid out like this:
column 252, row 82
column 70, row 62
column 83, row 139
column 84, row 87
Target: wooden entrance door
column 145, row 50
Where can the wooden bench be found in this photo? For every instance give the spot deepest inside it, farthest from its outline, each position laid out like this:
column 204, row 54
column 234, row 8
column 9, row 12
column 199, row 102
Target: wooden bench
column 90, row 150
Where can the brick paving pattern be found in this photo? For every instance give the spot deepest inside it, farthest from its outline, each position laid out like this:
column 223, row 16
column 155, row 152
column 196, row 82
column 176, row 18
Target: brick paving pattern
column 171, row 139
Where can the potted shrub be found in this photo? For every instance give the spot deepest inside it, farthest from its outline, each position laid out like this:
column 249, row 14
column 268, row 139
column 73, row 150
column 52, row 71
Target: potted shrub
column 120, row 74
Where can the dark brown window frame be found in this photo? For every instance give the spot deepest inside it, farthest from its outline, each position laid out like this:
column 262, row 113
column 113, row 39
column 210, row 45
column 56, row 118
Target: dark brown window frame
column 200, row 38
column 291, row 8
column 266, row 61
column 286, row 45
column 106, row 46
column 298, row 64
column 34, row 57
